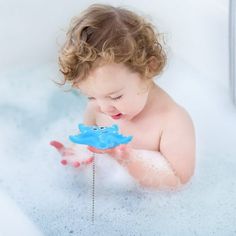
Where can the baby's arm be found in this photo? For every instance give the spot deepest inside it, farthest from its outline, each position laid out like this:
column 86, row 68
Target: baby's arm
column 178, row 144
column 150, row 169
column 174, row 164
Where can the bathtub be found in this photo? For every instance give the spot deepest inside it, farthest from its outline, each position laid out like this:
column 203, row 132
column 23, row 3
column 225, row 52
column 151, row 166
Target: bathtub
column 232, row 48
column 13, row 221
column 49, row 199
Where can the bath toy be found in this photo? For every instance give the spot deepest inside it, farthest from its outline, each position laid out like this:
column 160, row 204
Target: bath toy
column 100, row 137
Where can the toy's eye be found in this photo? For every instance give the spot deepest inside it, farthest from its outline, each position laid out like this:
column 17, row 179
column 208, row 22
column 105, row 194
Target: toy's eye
column 95, row 129
column 102, row 127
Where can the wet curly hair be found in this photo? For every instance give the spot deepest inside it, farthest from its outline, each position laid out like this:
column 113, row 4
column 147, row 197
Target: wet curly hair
column 107, row 34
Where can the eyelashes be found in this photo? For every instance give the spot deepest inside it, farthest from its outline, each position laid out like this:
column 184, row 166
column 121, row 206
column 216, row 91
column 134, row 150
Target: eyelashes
column 117, row 98
column 114, row 99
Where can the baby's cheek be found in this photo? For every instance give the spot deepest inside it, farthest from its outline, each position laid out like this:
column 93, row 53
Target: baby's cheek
column 130, row 107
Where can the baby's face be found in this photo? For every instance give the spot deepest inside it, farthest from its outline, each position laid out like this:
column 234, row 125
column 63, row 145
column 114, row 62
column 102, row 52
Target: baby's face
column 118, row 92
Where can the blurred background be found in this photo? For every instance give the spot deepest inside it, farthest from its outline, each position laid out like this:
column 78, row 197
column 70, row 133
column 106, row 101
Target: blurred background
column 31, row 31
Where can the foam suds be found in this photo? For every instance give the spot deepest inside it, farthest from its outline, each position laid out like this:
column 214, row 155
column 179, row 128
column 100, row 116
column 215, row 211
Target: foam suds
column 58, row 198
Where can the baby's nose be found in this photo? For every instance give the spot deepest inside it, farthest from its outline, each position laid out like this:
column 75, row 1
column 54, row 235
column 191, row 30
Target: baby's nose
column 106, row 107
column 107, row 110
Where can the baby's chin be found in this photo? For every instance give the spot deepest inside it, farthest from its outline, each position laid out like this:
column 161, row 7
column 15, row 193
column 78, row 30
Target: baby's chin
column 133, row 116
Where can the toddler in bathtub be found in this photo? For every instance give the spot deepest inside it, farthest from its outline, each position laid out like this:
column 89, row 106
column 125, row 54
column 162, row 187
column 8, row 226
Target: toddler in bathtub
column 112, row 55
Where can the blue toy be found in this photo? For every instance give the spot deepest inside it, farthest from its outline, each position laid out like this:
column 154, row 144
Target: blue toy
column 100, row 137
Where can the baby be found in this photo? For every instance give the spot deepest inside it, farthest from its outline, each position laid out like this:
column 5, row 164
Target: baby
column 112, row 56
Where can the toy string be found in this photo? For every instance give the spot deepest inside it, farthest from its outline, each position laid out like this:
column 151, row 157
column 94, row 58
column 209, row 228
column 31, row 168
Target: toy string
column 93, row 189
column 101, row 138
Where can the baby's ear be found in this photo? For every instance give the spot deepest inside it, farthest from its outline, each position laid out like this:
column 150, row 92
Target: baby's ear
column 152, row 62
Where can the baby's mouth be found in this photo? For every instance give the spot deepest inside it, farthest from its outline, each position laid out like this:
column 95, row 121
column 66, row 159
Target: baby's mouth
column 117, row 116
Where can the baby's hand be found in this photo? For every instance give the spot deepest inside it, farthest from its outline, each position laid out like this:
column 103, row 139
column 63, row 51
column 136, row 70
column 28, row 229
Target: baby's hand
column 71, row 156
column 120, row 153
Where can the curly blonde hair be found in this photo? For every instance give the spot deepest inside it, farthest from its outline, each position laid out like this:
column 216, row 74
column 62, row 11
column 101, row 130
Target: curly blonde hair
column 107, row 34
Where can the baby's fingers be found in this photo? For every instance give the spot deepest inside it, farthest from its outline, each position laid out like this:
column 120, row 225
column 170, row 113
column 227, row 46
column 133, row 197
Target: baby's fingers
column 102, row 151
column 77, row 164
column 88, row 161
column 59, row 146
column 120, row 152
column 124, row 150
column 70, row 156
column 95, row 150
column 62, row 149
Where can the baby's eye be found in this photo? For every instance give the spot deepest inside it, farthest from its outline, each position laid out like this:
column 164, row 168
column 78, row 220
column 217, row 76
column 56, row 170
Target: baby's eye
column 91, row 98
column 117, row 98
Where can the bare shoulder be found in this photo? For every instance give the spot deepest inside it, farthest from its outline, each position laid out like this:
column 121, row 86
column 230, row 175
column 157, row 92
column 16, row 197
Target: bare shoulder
column 173, row 114
column 178, row 141
column 177, row 115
